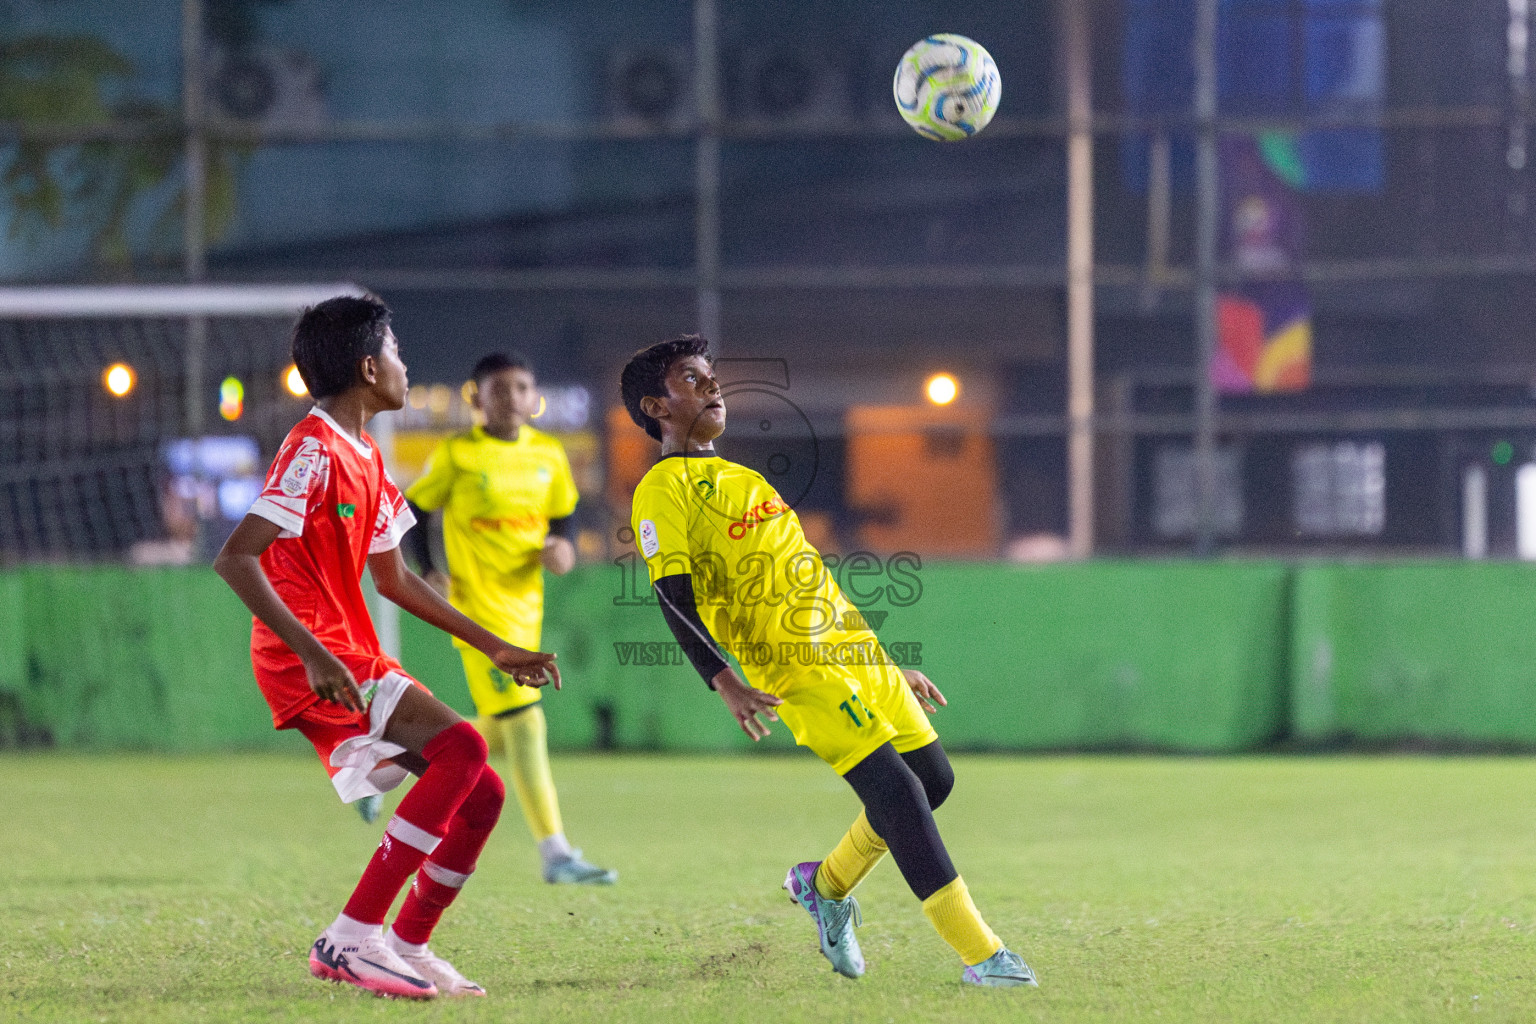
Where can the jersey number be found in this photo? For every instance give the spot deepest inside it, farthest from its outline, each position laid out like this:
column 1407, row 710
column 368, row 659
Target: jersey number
column 847, row 705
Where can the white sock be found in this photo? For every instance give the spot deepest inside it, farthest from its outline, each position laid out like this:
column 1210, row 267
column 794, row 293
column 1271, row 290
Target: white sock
column 351, row 929
column 556, row 847
column 399, row 945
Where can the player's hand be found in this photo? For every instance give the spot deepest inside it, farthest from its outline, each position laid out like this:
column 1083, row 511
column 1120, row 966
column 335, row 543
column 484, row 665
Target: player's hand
column 527, row 668
column 331, row 680
column 437, row 580
column 558, row 556
column 746, row 703
column 924, row 689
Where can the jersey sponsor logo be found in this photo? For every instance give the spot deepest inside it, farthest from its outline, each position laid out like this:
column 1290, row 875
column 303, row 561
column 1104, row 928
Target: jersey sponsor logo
column 308, row 466
column 759, row 513
column 649, row 542
column 529, row 521
column 706, row 488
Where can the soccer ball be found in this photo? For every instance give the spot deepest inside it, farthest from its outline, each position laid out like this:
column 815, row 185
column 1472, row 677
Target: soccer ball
column 947, row 87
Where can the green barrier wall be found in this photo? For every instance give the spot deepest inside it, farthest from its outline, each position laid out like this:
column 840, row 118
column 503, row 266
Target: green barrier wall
column 131, row 658
column 1440, row 652
column 1174, row 656
column 1179, row 656
column 13, row 662
column 1171, row 656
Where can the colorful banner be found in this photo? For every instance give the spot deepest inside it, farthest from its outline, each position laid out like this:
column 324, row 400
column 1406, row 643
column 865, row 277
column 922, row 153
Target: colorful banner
column 1264, row 327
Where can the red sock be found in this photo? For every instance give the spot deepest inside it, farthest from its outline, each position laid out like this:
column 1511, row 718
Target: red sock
column 441, row 877
column 455, row 758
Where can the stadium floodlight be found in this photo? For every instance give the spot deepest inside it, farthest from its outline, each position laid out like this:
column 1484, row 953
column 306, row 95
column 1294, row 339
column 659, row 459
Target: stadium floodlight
column 942, row 389
column 293, row 380
column 119, row 379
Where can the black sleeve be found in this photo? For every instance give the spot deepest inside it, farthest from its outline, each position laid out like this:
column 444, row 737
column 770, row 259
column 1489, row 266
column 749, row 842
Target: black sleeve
column 675, row 593
column 417, row 542
column 563, row 526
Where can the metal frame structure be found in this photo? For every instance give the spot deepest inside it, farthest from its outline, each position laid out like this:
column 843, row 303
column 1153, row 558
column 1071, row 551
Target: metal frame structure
column 1080, row 276
column 1207, row 197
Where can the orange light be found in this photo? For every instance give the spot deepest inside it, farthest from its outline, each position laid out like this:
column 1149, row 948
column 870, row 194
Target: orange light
column 293, row 380
column 119, row 379
column 942, row 389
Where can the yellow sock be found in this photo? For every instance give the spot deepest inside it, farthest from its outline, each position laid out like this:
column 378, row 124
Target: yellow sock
column 856, row 855
column 959, row 923
column 527, row 742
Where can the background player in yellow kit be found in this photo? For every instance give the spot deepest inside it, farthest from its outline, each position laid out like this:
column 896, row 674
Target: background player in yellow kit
column 731, row 567
column 506, row 495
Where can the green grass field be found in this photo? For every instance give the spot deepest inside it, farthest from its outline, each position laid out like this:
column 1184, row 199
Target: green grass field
column 141, row 888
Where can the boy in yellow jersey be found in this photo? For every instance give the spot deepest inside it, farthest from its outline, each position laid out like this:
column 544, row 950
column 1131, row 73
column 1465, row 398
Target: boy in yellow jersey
column 732, row 568
column 506, row 494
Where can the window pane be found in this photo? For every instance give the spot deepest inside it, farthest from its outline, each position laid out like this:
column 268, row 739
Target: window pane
column 1340, row 489
column 1175, row 498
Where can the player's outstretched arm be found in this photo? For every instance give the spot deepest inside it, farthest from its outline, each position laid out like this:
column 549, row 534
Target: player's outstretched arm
column 746, row 702
column 239, row 563
column 397, row 583
column 924, row 689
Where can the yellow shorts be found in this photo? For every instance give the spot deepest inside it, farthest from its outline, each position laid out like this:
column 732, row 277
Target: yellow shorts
column 844, row 713
column 492, row 689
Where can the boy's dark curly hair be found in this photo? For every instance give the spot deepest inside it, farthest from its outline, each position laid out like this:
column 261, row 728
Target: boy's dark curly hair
column 646, row 375
column 495, row 362
column 331, row 338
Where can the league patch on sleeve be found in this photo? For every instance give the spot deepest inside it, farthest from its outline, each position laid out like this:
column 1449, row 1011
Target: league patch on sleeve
column 305, row 469
column 649, row 544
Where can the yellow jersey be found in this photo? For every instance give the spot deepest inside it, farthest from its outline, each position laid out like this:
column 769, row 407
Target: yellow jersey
column 497, row 499
column 760, row 587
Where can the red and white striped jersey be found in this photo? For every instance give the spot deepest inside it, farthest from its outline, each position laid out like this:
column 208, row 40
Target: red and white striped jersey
column 336, row 505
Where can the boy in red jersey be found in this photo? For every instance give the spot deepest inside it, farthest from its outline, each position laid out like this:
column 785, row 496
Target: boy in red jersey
column 296, row 560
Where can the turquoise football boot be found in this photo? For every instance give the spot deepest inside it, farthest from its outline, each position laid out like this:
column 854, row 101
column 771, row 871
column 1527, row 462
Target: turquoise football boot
column 835, row 919
column 573, row 870
column 1003, row 969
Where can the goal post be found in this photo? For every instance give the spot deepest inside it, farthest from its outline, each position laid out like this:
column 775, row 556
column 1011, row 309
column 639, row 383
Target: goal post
column 166, row 301
column 116, row 439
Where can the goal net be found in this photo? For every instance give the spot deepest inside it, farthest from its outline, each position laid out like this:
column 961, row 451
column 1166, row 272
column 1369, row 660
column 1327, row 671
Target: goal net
column 135, row 420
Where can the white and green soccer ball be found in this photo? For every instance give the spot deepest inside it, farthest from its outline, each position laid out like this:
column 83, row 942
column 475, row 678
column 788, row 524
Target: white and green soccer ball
column 947, row 87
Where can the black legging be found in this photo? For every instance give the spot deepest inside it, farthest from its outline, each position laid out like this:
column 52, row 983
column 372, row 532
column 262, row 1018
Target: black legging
column 900, row 793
